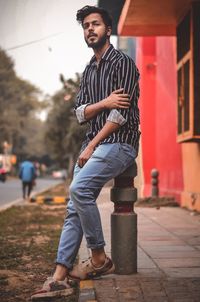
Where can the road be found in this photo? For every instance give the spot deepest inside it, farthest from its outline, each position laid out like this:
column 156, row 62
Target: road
column 11, row 190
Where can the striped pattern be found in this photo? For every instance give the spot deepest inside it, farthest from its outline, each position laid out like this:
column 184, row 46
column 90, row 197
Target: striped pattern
column 115, row 70
column 41, row 199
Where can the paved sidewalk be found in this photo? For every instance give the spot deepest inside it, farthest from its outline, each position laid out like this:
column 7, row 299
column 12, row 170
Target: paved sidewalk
column 168, row 258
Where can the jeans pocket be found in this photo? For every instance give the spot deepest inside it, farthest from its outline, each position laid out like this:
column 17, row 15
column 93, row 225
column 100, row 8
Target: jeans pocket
column 107, row 151
column 129, row 154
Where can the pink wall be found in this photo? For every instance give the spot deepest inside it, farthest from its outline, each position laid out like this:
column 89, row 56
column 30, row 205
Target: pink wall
column 157, row 63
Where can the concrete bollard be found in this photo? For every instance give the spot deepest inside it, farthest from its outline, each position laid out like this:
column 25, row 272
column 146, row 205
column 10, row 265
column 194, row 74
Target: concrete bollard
column 124, row 223
column 154, row 183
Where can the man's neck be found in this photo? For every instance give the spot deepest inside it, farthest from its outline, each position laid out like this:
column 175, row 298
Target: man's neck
column 100, row 51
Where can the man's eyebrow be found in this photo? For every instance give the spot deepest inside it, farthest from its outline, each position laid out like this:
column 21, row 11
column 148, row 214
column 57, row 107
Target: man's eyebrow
column 93, row 21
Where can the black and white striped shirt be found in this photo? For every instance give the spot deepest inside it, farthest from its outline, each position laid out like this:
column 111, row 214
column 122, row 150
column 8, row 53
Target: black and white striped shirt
column 115, row 70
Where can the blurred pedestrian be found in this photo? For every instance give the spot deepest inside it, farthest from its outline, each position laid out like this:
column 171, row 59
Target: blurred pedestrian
column 27, row 174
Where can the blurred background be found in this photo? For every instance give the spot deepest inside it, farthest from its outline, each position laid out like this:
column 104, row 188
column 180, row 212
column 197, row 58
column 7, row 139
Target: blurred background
column 41, row 47
column 42, row 56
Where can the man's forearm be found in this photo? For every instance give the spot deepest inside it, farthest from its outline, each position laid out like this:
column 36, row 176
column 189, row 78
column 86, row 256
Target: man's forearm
column 93, row 109
column 116, row 100
column 107, row 129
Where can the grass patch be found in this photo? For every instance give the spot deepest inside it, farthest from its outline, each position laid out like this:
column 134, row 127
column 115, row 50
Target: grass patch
column 156, row 202
column 58, row 190
column 29, row 238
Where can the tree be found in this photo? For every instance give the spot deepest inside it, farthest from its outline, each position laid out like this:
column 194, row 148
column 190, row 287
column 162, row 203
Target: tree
column 19, row 103
column 64, row 135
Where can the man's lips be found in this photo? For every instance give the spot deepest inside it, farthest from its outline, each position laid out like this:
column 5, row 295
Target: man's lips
column 92, row 36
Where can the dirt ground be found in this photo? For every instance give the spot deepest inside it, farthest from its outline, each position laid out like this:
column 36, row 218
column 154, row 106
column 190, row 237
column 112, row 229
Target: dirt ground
column 28, row 242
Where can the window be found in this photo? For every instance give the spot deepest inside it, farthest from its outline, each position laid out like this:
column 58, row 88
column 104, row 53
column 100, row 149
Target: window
column 188, row 76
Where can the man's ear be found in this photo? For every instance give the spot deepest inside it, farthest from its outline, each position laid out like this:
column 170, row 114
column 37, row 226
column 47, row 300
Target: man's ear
column 109, row 31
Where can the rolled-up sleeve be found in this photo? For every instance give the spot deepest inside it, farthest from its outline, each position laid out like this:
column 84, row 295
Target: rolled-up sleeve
column 80, row 114
column 127, row 78
column 82, row 100
column 116, row 117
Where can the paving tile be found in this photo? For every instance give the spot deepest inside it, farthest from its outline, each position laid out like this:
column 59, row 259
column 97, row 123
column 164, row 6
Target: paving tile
column 187, row 231
column 195, row 284
column 182, row 300
column 153, row 289
column 192, row 240
column 155, row 294
column 159, row 237
column 180, row 295
column 150, row 229
column 156, row 299
column 127, row 294
column 109, row 292
column 165, row 248
column 145, row 262
column 185, row 272
column 161, row 243
column 174, row 254
column 147, row 284
column 150, row 273
column 178, row 262
column 176, row 289
column 86, row 295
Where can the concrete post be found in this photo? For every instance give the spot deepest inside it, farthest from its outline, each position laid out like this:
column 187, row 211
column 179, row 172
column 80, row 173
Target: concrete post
column 154, row 183
column 124, row 223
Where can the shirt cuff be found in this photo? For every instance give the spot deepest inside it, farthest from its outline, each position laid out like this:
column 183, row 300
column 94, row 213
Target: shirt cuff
column 80, row 113
column 116, row 117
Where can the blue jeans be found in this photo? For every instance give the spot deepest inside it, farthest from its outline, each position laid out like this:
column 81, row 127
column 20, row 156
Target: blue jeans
column 107, row 161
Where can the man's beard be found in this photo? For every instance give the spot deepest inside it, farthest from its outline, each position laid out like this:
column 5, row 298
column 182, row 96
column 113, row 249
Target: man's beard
column 98, row 44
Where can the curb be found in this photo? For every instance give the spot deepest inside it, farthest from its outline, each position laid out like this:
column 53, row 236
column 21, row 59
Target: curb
column 33, row 199
column 10, row 204
column 87, row 291
column 49, row 199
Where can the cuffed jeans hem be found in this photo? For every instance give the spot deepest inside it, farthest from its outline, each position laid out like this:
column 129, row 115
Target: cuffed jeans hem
column 96, row 247
column 64, row 263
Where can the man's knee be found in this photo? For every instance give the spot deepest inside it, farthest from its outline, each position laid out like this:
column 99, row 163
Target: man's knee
column 80, row 193
column 75, row 191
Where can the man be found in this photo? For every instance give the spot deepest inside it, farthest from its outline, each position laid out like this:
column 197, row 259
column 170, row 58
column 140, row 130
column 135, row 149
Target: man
column 27, row 174
column 107, row 101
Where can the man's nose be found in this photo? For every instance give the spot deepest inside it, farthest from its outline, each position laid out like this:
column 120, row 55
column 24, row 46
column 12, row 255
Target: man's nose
column 90, row 27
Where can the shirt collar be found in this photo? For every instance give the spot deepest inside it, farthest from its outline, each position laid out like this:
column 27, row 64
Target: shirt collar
column 107, row 55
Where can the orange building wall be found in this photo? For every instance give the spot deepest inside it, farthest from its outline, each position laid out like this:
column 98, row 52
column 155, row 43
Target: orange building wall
column 190, row 196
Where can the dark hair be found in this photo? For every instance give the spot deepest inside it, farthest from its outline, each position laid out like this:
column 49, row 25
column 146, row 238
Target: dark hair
column 87, row 10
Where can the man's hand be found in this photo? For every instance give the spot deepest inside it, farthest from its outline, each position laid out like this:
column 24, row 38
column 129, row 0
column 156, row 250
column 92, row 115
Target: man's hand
column 117, row 99
column 107, row 129
column 85, row 155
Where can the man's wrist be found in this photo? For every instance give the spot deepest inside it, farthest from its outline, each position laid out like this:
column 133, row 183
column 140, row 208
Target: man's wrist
column 92, row 145
column 103, row 104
